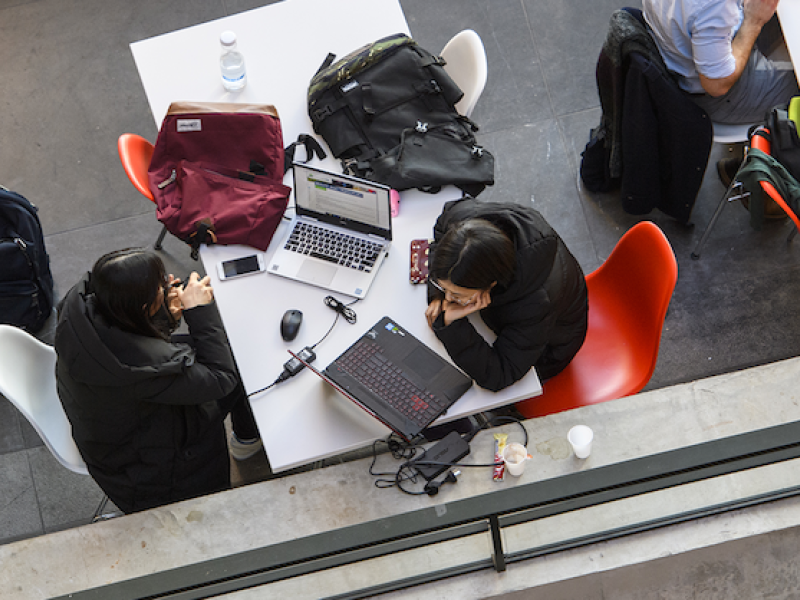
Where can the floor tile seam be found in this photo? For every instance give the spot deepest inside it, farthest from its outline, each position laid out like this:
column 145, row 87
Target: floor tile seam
column 579, row 192
column 18, row 4
column 23, row 447
column 538, row 59
column 18, row 414
column 100, row 224
column 35, row 489
column 728, row 278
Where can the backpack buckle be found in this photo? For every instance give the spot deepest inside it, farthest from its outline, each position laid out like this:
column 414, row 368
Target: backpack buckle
column 323, row 112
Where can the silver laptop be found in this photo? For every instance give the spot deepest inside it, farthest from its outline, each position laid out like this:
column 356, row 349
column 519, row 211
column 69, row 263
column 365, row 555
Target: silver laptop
column 341, row 233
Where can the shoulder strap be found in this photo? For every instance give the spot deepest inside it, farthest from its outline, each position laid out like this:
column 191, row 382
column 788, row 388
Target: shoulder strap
column 312, row 148
column 327, row 62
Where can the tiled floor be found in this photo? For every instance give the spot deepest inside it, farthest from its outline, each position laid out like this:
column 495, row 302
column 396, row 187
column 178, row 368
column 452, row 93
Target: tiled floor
column 71, row 88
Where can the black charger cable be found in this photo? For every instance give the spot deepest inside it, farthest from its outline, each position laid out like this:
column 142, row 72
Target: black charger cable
column 432, row 487
column 402, row 450
column 343, row 309
column 295, row 364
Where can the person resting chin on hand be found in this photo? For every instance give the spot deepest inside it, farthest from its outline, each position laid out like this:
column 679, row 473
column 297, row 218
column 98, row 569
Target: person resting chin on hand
column 456, row 302
column 504, row 262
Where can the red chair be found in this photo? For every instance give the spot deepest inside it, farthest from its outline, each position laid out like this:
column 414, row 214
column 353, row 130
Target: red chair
column 628, row 299
column 763, row 144
column 736, row 192
column 135, row 153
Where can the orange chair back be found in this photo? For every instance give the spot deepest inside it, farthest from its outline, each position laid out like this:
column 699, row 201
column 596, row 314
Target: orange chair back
column 135, row 153
column 628, row 299
column 761, row 143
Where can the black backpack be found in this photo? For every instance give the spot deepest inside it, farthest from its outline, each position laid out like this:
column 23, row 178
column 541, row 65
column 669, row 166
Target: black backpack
column 26, row 284
column 785, row 143
column 387, row 111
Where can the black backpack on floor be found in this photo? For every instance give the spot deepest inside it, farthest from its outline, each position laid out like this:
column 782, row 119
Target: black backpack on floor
column 785, row 143
column 387, row 111
column 26, row 284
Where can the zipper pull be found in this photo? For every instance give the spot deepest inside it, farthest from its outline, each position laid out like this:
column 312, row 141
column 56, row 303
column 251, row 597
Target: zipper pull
column 166, row 182
column 21, row 243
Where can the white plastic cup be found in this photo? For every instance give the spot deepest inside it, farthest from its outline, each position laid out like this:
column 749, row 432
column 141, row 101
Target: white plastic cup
column 515, row 456
column 580, row 438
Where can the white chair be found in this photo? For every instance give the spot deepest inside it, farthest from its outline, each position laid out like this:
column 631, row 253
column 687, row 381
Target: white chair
column 730, row 134
column 28, row 381
column 466, row 64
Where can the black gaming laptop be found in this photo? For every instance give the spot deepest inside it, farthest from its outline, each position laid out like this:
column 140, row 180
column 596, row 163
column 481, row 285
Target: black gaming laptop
column 396, row 378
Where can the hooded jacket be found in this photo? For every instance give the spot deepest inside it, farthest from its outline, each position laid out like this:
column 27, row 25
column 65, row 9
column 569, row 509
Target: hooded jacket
column 540, row 317
column 143, row 410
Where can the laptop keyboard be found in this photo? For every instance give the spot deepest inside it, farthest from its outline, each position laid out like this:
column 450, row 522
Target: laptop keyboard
column 339, row 248
column 365, row 361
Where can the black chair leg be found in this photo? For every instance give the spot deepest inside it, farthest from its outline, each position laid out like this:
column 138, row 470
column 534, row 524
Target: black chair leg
column 160, row 238
column 729, row 196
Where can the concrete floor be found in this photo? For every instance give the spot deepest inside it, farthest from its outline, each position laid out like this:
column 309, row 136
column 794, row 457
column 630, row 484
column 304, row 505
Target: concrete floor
column 72, row 88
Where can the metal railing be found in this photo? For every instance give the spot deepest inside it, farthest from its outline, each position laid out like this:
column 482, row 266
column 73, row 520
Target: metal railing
column 492, row 513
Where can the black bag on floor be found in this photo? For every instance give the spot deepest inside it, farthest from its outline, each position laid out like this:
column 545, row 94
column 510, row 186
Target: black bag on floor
column 387, row 111
column 26, row 284
column 785, row 142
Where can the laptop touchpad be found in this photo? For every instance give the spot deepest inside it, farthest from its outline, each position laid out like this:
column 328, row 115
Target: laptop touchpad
column 420, row 362
column 315, row 272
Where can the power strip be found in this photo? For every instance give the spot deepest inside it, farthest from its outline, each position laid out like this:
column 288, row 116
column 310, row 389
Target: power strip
column 450, row 449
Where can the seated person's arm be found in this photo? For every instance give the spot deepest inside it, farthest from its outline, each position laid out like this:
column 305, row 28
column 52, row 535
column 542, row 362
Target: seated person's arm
column 498, row 365
column 209, row 371
column 756, row 15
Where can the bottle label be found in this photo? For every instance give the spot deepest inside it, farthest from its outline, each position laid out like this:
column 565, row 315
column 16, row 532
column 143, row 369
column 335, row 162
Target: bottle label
column 184, row 125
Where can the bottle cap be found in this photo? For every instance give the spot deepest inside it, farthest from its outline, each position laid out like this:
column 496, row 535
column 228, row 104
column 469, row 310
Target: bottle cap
column 227, row 38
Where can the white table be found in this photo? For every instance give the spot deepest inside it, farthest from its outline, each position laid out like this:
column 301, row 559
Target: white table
column 303, row 419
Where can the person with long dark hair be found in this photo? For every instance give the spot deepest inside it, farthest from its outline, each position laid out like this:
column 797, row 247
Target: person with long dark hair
column 505, row 262
column 147, row 407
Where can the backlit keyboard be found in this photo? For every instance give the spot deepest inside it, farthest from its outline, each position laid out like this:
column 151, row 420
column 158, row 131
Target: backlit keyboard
column 365, row 362
column 339, row 248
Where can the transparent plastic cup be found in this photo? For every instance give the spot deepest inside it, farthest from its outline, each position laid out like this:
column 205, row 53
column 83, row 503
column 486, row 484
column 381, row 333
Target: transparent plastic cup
column 515, row 455
column 580, row 438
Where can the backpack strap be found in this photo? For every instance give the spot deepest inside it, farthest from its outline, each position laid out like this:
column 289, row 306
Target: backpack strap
column 203, row 234
column 327, row 62
column 312, row 149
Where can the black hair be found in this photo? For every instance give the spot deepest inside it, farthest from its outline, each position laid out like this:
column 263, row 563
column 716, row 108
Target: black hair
column 126, row 283
column 473, row 254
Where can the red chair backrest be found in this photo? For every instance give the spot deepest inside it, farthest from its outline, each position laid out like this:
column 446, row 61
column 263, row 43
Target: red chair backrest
column 761, row 143
column 628, row 299
column 135, row 153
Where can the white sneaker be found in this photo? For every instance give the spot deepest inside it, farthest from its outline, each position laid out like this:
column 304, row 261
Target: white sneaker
column 244, row 449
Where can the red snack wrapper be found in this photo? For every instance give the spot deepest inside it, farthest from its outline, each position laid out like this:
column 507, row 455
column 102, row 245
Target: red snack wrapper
column 499, row 471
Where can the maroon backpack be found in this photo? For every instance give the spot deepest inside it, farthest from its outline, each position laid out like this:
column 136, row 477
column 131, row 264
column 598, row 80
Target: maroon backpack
column 217, row 172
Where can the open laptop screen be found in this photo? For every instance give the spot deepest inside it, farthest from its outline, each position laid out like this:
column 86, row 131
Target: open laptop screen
column 343, row 200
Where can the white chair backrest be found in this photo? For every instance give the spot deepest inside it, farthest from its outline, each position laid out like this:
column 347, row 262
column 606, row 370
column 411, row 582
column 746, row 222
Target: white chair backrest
column 730, row 134
column 466, row 64
column 28, row 381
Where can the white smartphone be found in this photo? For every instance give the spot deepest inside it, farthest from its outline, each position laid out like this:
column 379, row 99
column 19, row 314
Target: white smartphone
column 237, row 267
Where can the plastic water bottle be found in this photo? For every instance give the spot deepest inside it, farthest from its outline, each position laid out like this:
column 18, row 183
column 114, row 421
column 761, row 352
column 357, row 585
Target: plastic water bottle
column 231, row 63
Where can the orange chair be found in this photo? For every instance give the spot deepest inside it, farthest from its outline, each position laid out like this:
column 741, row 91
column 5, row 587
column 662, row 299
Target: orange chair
column 628, row 299
column 135, row 153
column 763, row 144
column 736, row 192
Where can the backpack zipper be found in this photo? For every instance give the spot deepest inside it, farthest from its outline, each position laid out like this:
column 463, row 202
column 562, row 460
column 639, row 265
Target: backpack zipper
column 169, row 180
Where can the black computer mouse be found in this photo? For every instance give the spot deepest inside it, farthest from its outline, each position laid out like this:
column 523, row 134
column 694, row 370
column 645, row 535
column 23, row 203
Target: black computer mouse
column 290, row 324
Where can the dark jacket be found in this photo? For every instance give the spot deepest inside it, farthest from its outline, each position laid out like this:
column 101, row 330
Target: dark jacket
column 540, row 318
column 658, row 146
column 143, row 410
